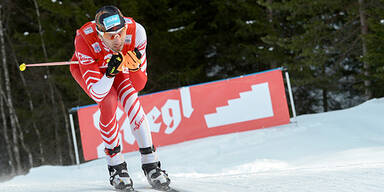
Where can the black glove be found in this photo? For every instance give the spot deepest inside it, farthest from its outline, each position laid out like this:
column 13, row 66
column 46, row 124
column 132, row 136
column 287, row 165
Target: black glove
column 113, row 65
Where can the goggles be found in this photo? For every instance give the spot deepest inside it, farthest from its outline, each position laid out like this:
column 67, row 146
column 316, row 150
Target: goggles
column 112, row 35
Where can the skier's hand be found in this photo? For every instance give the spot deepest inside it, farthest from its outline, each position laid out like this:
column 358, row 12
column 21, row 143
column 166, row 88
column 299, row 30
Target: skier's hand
column 114, row 64
column 132, row 60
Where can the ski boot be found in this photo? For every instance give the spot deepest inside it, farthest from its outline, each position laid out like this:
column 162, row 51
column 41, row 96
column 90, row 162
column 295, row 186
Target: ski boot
column 156, row 177
column 119, row 177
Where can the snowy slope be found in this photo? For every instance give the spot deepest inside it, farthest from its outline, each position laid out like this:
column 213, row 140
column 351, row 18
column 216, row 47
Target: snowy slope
column 335, row 151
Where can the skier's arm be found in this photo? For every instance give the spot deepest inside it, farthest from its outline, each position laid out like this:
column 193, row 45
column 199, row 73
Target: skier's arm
column 139, row 78
column 98, row 84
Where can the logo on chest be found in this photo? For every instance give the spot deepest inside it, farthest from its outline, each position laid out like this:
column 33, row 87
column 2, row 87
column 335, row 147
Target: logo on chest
column 96, row 47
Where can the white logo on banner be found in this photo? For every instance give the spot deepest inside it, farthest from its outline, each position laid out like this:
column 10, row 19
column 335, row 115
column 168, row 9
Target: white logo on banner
column 171, row 112
column 251, row 105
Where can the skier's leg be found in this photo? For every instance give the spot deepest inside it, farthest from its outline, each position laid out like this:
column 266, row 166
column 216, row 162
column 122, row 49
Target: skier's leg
column 138, row 121
column 110, row 132
column 109, row 129
column 141, row 131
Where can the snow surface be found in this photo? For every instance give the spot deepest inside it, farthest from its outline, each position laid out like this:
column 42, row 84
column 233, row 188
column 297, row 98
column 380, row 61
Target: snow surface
column 334, row 151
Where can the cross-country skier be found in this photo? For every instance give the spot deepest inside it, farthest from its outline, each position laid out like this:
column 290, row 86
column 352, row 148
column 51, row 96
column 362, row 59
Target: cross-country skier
column 102, row 47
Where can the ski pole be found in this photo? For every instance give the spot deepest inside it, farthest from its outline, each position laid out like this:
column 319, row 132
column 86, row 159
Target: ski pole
column 23, row 66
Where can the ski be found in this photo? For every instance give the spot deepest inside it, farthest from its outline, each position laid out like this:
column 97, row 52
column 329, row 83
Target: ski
column 166, row 189
column 126, row 190
column 129, row 189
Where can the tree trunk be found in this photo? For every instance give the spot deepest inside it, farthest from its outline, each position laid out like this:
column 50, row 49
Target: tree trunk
column 16, row 120
column 67, row 130
column 40, row 30
column 2, row 110
column 364, row 32
column 8, row 100
column 270, row 12
column 325, row 99
column 22, row 142
column 56, row 122
column 324, row 90
column 270, row 20
column 5, row 132
column 30, row 104
column 51, row 89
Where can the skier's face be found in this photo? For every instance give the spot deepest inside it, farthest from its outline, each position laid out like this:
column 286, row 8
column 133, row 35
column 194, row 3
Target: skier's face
column 115, row 40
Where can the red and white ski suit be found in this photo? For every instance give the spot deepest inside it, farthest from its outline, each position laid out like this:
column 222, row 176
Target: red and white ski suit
column 92, row 55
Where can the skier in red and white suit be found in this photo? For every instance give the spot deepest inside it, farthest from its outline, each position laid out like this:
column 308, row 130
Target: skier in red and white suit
column 101, row 47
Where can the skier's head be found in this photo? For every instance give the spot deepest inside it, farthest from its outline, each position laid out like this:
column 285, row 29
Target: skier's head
column 111, row 27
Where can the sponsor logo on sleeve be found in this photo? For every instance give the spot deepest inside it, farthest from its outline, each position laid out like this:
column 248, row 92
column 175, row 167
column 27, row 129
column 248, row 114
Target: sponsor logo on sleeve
column 96, row 47
column 128, row 39
column 88, row 30
column 129, row 21
column 84, row 59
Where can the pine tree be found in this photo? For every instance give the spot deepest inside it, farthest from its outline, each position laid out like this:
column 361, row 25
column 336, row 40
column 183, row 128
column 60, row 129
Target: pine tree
column 325, row 43
column 375, row 46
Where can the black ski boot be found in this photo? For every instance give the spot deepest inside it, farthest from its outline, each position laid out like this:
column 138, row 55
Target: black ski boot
column 119, row 177
column 156, row 177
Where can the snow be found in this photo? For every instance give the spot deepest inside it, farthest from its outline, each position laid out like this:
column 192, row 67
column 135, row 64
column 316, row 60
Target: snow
column 326, row 152
column 176, row 29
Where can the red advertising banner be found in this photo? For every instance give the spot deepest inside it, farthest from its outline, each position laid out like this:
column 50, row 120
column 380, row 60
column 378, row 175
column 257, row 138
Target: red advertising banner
column 232, row 105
